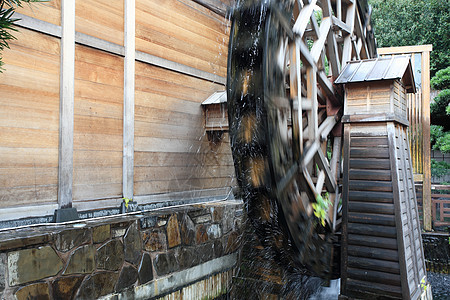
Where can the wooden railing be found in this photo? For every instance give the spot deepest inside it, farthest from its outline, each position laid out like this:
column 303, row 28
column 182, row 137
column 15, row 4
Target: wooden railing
column 440, row 204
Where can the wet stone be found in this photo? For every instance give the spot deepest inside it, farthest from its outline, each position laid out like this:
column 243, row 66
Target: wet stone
column 228, row 220
column 145, row 269
column 202, row 219
column 155, row 240
column 128, row 276
column 101, row 233
column 162, row 220
column 205, row 252
column 148, row 222
column 133, row 244
column 232, row 242
column 201, row 236
column 81, row 261
column 218, row 248
column 66, row 287
column 173, row 231
column 97, row 285
column 32, row 264
column 110, row 256
column 34, row 291
column 165, row 263
column 214, row 231
column 70, row 239
column 217, row 213
column 187, row 230
column 2, row 272
column 188, row 257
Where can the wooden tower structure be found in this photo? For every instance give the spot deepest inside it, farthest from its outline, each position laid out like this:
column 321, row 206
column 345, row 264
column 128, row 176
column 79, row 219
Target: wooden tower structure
column 382, row 254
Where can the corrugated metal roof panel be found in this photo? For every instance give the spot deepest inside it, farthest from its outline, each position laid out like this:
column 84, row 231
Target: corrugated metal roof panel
column 388, row 67
column 216, row 98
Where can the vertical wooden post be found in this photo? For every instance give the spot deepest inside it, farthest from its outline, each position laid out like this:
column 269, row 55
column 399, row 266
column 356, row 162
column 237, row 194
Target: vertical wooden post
column 426, row 140
column 128, row 99
column 66, row 104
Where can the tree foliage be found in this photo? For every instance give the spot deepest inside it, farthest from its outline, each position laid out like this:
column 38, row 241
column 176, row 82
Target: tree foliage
column 441, row 80
column 418, row 22
column 7, row 22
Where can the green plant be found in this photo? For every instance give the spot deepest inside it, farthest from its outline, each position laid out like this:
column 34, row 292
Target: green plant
column 321, row 207
column 8, row 23
column 127, row 200
column 441, row 80
column 440, row 168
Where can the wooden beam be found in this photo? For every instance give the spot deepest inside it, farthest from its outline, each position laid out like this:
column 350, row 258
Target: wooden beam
column 216, row 6
column 317, row 48
column 128, row 100
column 350, row 21
column 405, row 49
column 426, row 140
column 66, row 106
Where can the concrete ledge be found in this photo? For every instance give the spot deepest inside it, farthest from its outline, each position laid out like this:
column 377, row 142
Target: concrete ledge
column 180, row 280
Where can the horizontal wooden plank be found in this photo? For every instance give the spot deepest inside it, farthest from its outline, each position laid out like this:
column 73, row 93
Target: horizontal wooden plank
column 369, row 142
column 28, row 195
column 155, row 187
column 372, row 230
column 369, row 185
column 161, row 159
column 374, row 276
column 361, row 174
column 160, row 116
column 372, row 218
column 27, row 177
column 368, row 290
column 369, row 153
column 101, row 142
column 372, row 164
column 96, row 191
column 373, row 264
column 98, row 107
column 102, row 19
column 371, row 207
column 97, row 125
column 181, row 173
column 370, row 196
column 96, row 91
column 99, row 158
column 28, row 138
column 371, row 251
column 162, row 102
column 49, row 11
column 28, row 157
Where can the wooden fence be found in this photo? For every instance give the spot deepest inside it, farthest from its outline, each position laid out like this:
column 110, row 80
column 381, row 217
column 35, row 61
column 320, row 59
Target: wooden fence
column 440, row 204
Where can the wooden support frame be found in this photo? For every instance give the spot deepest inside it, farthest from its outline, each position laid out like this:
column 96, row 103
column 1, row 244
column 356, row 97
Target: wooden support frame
column 424, row 50
column 66, row 117
column 128, row 99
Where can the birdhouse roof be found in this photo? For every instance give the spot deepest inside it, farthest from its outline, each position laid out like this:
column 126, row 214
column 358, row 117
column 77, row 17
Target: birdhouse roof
column 381, row 68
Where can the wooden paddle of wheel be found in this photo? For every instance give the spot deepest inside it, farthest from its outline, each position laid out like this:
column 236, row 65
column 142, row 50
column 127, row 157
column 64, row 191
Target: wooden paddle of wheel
column 282, row 109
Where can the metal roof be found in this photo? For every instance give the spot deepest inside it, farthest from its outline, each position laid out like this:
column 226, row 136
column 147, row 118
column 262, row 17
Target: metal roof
column 216, row 98
column 388, row 67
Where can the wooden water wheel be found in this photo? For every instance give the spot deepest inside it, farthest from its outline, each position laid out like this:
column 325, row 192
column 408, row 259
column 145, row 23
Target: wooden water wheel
column 284, row 117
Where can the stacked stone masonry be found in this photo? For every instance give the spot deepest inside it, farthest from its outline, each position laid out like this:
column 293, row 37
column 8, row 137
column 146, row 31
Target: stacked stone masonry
column 123, row 255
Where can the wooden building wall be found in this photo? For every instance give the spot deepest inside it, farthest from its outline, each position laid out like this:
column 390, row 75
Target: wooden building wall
column 139, row 90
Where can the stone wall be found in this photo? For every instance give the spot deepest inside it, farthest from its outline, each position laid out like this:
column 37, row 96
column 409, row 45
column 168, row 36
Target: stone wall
column 436, row 248
column 181, row 252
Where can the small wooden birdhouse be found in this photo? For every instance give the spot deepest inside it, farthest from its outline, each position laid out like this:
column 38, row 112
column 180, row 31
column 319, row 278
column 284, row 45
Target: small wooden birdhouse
column 216, row 112
column 376, row 88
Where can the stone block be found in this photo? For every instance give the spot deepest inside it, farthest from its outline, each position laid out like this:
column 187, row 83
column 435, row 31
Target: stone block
column 188, row 257
column 155, row 240
column 34, row 291
column 187, row 230
column 218, row 248
column 217, row 213
column 2, row 272
column 201, row 235
column 101, row 233
column 148, row 222
column 145, row 269
column 128, row 276
column 97, row 285
column 69, row 239
column 133, row 244
column 162, row 220
column 214, row 231
column 173, row 231
column 205, row 252
column 110, row 256
column 165, row 263
column 66, row 287
column 81, row 261
column 32, row 264
column 202, row 219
